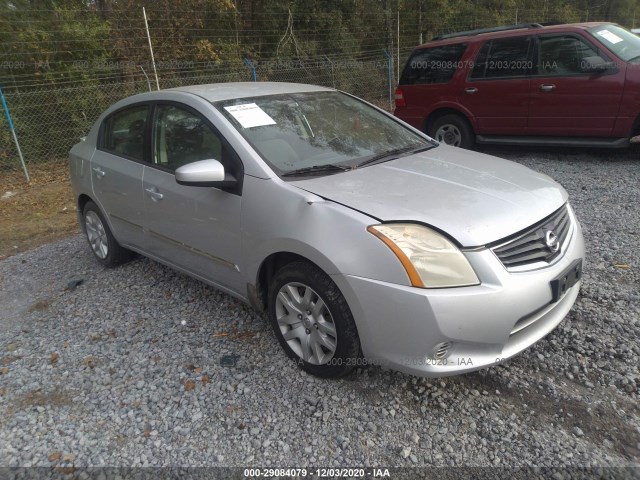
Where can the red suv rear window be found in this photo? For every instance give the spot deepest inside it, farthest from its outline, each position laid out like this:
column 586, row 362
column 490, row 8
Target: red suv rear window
column 433, row 65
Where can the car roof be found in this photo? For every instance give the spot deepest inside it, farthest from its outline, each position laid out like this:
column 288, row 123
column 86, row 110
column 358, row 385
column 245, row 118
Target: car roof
column 215, row 92
column 467, row 37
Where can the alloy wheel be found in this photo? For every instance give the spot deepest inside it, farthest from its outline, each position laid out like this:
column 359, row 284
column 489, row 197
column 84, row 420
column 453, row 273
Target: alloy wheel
column 96, row 234
column 306, row 323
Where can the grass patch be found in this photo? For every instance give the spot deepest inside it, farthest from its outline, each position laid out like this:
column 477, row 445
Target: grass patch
column 35, row 213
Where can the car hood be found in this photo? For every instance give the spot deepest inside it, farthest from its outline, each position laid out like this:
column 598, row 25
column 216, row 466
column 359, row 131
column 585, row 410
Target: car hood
column 475, row 198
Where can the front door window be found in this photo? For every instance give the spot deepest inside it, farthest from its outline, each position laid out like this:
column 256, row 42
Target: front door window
column 181, row 137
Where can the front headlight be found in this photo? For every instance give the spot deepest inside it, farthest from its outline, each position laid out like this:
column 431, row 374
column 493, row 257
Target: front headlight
column 430, row 259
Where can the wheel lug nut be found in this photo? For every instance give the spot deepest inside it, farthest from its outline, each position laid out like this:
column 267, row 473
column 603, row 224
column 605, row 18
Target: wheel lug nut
column 308, row 331
column 308, row 312
column 315, row 325
column 299, row 316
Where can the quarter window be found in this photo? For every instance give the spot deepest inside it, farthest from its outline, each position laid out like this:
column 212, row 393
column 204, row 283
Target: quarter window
column 181, row 137
column 503, row 58
column 562, row 55
column 433, row 65
column 124, row 132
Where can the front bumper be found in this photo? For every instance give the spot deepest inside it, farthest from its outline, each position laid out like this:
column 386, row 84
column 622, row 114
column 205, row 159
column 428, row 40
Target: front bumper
column 400, row 326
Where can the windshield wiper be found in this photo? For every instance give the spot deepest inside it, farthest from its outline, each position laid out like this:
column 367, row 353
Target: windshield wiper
column 393, row 154
column 328, row 168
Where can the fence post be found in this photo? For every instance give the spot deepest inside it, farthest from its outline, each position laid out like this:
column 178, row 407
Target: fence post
column 248, row 63
column 13, row 133
column 333, row 78
column 153, row 59
column 389, row 75
column 398, row 48
column 145, row 76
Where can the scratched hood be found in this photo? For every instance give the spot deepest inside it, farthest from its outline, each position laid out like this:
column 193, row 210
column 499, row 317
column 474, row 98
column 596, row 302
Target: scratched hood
column 475, row 198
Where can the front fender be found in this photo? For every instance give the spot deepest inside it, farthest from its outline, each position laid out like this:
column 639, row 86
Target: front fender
column 278, row 217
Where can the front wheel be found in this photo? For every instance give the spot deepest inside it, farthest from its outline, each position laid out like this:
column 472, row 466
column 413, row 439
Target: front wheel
column 312, row 321
column 452, row 130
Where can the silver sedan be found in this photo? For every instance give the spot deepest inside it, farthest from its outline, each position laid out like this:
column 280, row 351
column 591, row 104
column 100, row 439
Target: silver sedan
column 364, row 240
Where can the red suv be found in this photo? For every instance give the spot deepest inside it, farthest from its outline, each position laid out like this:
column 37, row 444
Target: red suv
column 576, row 84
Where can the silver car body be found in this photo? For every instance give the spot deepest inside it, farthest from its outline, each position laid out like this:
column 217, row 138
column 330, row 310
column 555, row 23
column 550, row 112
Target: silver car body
column 225, row 239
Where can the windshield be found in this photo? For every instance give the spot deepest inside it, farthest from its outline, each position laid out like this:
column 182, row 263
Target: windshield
column 623, row 43
column 308, row 131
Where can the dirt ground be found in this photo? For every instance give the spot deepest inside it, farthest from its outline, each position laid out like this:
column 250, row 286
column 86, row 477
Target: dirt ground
column 35, row 213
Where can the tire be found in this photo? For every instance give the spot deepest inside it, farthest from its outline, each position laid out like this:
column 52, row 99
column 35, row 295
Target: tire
column 103, row 244
column 325, row 341
column 452, row 130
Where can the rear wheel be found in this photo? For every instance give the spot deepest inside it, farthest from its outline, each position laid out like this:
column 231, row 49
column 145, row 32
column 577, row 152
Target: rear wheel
column 102, row 242
column 312, row 321
column 452, row 130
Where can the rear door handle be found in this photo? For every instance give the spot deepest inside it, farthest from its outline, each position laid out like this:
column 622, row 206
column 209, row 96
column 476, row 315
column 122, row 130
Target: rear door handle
column 470, row 90
column 154, row 193
column 99, row 172
column 547, row 87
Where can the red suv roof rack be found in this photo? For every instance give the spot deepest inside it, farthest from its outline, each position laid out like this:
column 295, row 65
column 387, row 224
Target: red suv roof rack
column 469, row 33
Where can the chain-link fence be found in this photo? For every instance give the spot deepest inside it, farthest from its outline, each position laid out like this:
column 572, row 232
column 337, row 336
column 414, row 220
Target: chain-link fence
column 48, row 121
column 54, row 104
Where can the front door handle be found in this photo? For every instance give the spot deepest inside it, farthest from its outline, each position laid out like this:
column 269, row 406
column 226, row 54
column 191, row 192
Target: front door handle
column 470, row 90
column 547, row 87
column 99, row 172
column 154, row 193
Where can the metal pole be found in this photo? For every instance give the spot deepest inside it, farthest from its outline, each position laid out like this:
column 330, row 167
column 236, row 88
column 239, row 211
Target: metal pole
column 13, row 133
column 389, row 74
column 153, row 60
column 333, row 78
column 252, row 68
column 398, row 49
column 147, row 77
column 420, row 22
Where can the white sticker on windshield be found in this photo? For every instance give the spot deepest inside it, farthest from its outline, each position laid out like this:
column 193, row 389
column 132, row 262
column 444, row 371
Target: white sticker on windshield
column 610, row 36
column 250, row 115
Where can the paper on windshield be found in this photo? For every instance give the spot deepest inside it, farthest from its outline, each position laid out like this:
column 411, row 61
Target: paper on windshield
column 610, row 36
column 250, row 115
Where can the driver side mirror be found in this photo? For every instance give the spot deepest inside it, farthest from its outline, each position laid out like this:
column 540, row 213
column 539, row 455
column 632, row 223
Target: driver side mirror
column 595, row 64
column 205, row 173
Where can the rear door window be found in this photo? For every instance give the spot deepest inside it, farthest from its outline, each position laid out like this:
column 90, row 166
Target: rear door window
column 123, row 132
column 503, row 58
column 433, row 65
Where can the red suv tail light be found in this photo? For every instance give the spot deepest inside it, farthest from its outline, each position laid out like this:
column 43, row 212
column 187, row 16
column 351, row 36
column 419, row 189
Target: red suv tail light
column 400, row 98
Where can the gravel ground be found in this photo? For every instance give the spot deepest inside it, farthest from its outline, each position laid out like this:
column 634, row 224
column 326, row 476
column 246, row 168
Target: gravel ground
column 127, row 368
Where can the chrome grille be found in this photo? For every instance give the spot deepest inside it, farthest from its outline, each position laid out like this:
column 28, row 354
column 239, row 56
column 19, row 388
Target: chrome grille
column 536, row 243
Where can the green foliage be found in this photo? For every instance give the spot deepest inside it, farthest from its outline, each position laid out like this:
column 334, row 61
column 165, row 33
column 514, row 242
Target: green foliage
column 63, row 61
column 54, row 41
